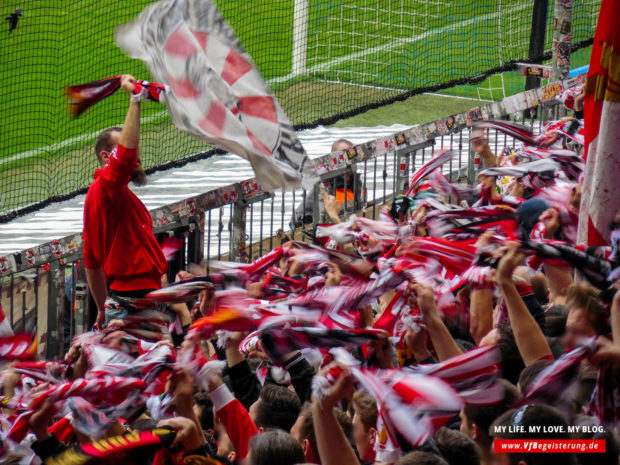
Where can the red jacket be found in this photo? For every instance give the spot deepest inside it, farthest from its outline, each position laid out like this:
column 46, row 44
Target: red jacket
column 235, row 418
column 118, row 230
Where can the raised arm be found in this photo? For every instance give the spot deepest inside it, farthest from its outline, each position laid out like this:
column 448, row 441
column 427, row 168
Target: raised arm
column 481, row 313
column 130, row 134
column 331, row 442
column 444, row 344
column 122, row 163
column 529, row 337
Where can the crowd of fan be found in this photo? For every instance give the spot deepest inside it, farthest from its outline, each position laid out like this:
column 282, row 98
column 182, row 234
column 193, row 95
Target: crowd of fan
column 331, row 354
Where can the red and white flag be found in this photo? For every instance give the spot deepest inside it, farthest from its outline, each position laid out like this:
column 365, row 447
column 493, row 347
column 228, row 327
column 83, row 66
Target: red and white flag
column 600, row 199
column 5, row 324
column 216, row 93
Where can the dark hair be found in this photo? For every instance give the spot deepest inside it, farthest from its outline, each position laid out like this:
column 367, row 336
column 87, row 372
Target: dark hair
column 345, row 424
column 484, row 415
column 534, row 415
column 366, row 408
column 456, row 448
column 306, row 431
column 144, row 424
column 275, row 446
column 540, row 286
column 401, row 203
column 278, row 408
column 555, row 325
column 581, row 295
column 203, row 401
column 104, row 141
column 530, row 373
column 512, row 363
column 421, row 458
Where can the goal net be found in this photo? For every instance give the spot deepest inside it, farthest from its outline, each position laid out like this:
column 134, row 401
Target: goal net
column 324, row 59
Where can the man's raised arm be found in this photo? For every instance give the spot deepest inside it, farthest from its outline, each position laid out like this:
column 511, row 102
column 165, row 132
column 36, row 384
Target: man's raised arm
column 130, row 134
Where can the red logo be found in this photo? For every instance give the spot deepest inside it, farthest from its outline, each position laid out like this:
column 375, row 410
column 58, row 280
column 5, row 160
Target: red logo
column 4, row 265
column 30, row 257
column 56, row 248
column 190, row 207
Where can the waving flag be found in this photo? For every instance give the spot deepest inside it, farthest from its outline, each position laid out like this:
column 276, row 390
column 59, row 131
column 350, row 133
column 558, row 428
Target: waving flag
column 600, row 198
column 18, row 347
column 135, row 447
column 5, row 324
column 216, row 93
column 474, row 375
column 560, row 376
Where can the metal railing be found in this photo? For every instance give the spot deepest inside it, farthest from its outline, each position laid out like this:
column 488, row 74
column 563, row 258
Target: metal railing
column 44, row 289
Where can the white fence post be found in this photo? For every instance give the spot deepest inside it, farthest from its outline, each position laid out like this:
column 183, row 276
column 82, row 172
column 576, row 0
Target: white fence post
column 300, row 37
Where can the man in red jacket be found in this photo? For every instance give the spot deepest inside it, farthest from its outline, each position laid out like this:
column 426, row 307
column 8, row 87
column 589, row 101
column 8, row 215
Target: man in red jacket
column 120, row 249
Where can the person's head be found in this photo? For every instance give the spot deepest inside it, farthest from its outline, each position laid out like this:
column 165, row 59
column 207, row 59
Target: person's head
column 303, row 432
column 364, row 424
column 277, row 407
column 203, row 408
column 586, row 315
column 399, row 210
column 273, row 447
column 341, row 144
column 515, row 424
column 225, row 447
column 476, row 419
column 456, row 448
column 419, row 457
column 105, row 144
column 144, row 424
column 529, row 212
column 540, row 286
column 512, row 363
column 555, row 321
column 529, row 374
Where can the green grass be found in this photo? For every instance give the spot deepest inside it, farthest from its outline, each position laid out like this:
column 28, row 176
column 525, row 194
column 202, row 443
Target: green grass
column 356, row 55
column 415, row 110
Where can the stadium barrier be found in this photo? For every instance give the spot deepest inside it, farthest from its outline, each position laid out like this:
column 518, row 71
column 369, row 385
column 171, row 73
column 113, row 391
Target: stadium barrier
column 44, row 289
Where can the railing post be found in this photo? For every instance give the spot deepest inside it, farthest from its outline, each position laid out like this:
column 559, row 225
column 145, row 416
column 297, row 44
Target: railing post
column 402, row 172
column 196, row 239
column 238, row 236
column 81, row 291
column 317, row 206
column 56, row 288
column 537, row 41
column 472, row 169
